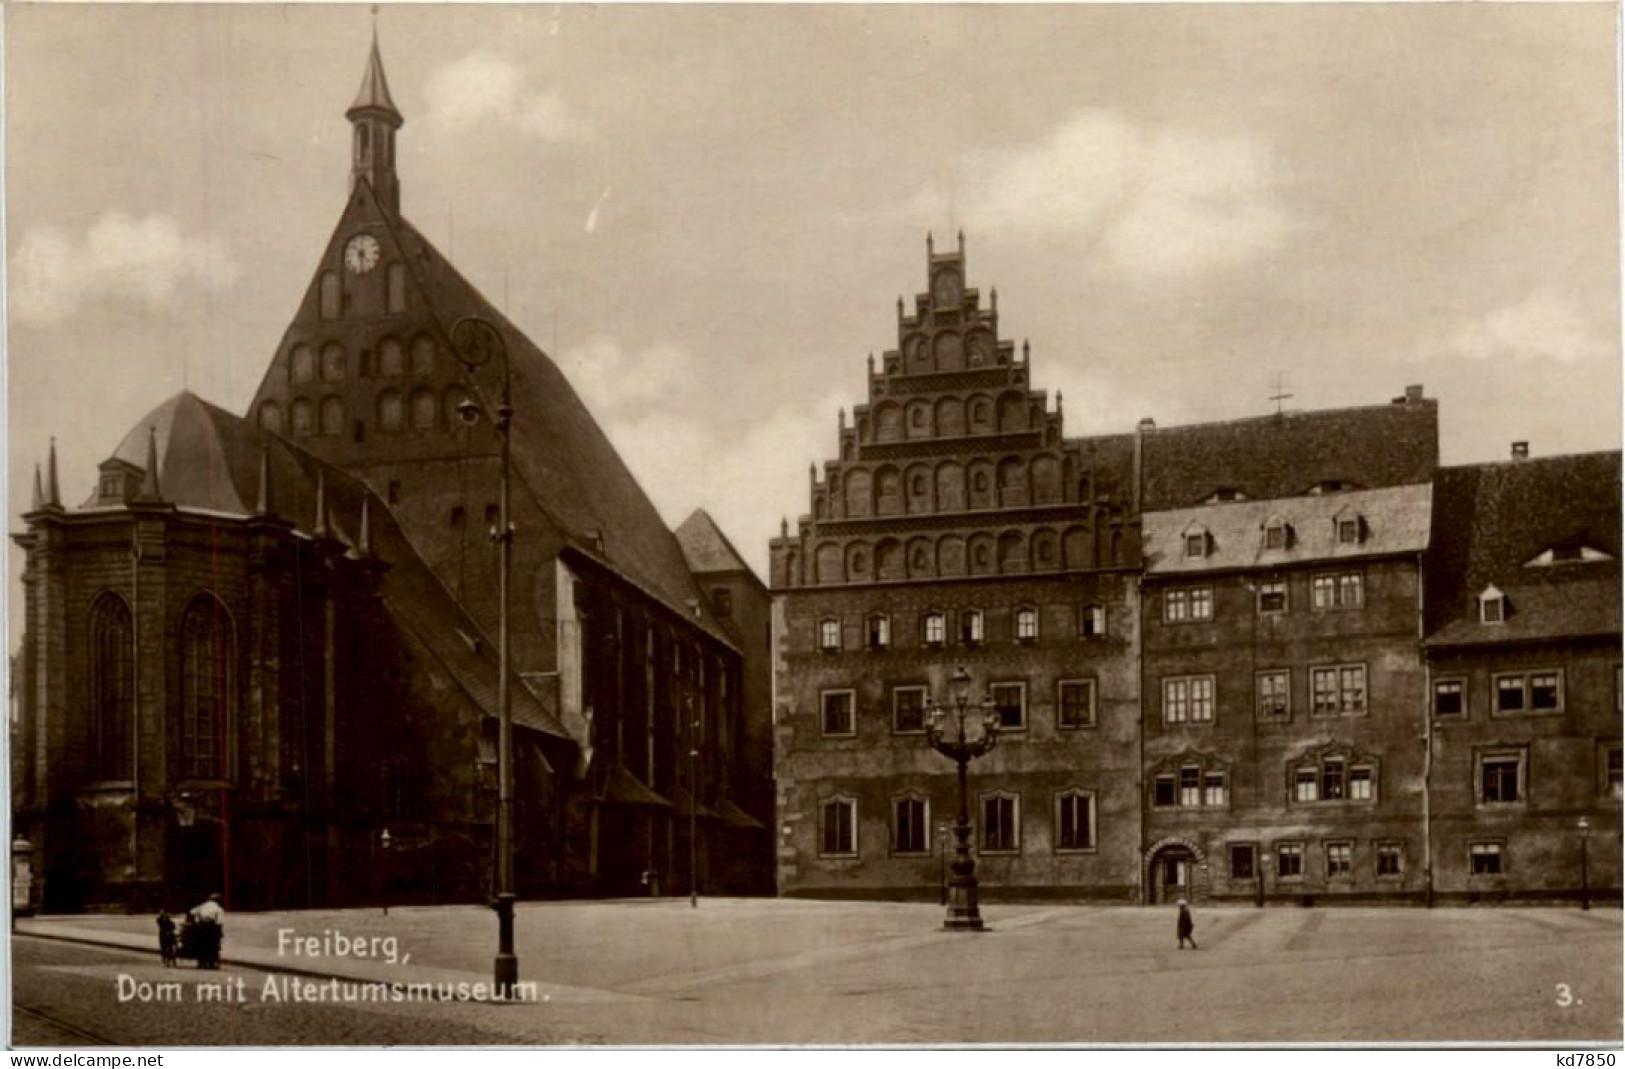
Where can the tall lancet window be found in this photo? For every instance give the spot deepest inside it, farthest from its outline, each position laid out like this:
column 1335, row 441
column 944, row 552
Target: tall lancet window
column 206, row 688
column 112, row 685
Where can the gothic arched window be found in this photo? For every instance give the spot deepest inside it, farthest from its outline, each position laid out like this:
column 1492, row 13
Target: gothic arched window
column 424, row 408
column 112, row 685
column 390, row 410
column 422, row 355
column 332, row 415
column 303, row 416
column 206, row 688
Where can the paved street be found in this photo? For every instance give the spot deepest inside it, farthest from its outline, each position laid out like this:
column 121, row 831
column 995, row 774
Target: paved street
column 765, row 971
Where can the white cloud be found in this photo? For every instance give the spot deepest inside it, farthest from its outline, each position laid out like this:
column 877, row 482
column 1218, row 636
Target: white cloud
column 481, row 87
column 1159, row 203
column 613, row 381
column 1546, row 326
column 746, row 474
column 145, row 261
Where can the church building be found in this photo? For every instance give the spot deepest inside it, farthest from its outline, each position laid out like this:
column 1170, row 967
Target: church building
column 260, row 657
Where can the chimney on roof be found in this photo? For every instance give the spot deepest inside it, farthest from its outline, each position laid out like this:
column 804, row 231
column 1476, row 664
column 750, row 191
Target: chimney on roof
column 1147, row 425
column 1413, row 394
column 1520, row 450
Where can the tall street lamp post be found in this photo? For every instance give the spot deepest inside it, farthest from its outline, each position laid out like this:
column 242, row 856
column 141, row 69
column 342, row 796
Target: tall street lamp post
column 963, row 914
column 1585, row 876
column 942, row 868
column 694, row 816
column 476, row 342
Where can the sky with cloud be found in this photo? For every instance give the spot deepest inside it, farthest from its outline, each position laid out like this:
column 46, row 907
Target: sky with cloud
column 707, row 213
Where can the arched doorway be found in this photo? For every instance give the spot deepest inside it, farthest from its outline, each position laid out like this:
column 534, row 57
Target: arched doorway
column 1175, row 869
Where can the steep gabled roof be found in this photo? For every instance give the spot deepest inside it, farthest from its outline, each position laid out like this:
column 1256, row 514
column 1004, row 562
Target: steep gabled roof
column 707, row 549
column 211, row 460
column 1491, row 520
column 1287, row 455
column 562, row 456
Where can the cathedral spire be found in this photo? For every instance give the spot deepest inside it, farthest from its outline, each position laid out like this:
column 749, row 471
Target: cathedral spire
column 39, row 492
column 320, row 528
column 53, row 493
column 150, row 490
column 375, row 119
column 263, row 506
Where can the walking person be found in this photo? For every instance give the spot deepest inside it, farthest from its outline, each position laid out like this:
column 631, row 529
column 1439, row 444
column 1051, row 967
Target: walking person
column 1186, row 926
column 166, row 937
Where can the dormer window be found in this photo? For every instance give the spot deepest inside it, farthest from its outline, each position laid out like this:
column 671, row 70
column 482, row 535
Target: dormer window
column 1567, row 553
column 1492, row 606
column 1197, row 543
column 1223, row 494
column 1277, row 534
column 1348, row 532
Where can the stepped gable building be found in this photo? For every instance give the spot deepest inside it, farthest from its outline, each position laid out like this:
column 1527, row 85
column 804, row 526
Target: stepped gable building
column 237, row 681
column 1281, row 612
column 958, row 526
column 1523, row 659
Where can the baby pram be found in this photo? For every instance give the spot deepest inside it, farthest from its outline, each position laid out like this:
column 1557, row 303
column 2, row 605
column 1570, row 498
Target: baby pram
column 200, row 940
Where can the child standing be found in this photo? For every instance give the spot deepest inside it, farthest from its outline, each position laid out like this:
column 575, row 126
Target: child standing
column 166, row 936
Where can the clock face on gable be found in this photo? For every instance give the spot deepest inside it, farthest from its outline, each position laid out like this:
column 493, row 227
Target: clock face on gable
column 361, row 254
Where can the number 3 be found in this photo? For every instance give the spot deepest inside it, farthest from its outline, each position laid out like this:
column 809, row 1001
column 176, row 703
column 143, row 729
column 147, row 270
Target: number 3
column 1565, row 997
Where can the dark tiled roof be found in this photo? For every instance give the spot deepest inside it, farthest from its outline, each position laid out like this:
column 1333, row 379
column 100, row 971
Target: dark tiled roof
column 707, row 549
column 1286, row 455
column 210, row 460
column 1490, row 520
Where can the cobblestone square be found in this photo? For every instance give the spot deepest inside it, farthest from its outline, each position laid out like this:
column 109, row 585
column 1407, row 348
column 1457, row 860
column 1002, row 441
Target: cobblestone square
column 780, row 971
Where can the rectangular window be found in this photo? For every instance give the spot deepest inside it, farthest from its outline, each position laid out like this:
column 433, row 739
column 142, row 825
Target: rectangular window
column 839, row 717
column 1077, row 703
column 1614, row 779
column 1196, row 545
column 1331, row 780
column 1189, row 698
column 1345, row 590
column 829, row 635
column 395, row 292
column 1093, row 621
column 1360, row 783
column 1348, row 531
column 970, row 627
column 1187, row 604
column 1026, row 625
column 907, row 710
column 1213, row 788
column 1390, row 860
column 1449, row 697
column 1545, row 692
column 935, row 629
column 1339, row 860
column 1275, row 695
column 1010, row 699
column 1272, row 597
column 840, row 831
column 1289, row 861
column 1339, row 690
column 1243, row 861
column 1306, row 785
column 911, row 826
column 1162, row 791
column 1275, row 536
column 1075, row 821
column 1485, row 859
column 1001, row 832
column 1190, row 786
column 1500, row 777
column 879, row 632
